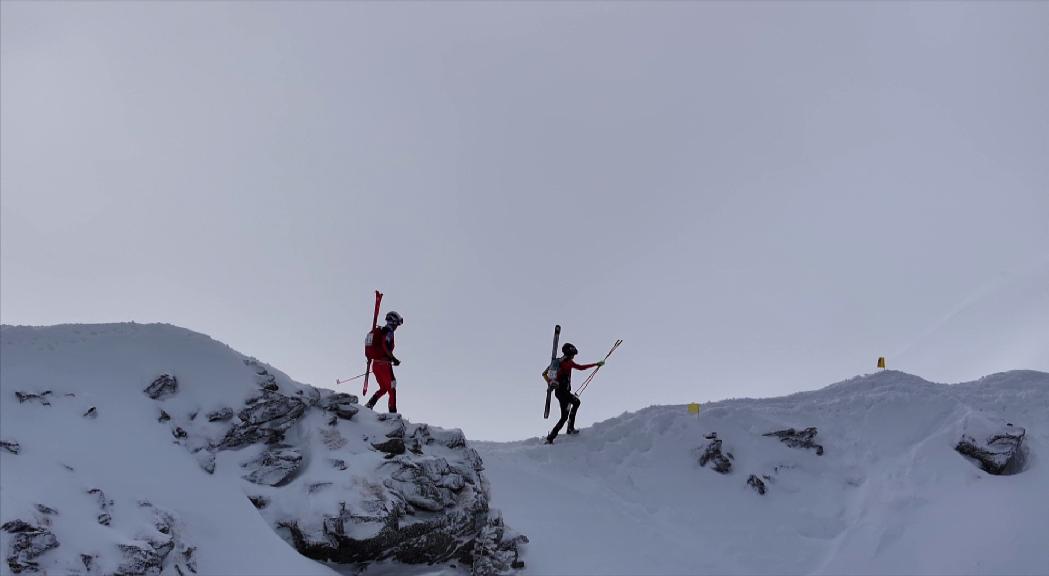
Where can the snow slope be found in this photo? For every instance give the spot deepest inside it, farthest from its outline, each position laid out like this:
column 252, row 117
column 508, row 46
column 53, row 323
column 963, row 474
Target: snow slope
column 123, row 451
column 126, row 483
column 889, row 495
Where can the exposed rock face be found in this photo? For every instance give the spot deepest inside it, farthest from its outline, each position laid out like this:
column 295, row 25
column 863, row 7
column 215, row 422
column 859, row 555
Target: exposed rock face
column 712, row 453
column 152, row 554
column 757, row 484
column 33, row 396
column 999, row 450
column 265, row 419
column 425, row 501
column 393, row 446
column 798, row 439
column 164, row 386
column 91, row 413
column 220, row 415
column 28, row 542
column 11, row 446
column 277, row 466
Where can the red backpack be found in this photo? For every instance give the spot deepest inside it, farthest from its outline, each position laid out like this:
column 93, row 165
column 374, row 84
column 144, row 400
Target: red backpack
column 373, row 344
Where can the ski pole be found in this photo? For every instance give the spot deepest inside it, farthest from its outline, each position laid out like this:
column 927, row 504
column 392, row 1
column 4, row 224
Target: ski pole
column 337, row 381
column 594, row 373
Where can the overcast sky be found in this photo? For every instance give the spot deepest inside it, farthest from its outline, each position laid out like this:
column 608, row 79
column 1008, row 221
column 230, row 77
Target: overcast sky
column 756, row 197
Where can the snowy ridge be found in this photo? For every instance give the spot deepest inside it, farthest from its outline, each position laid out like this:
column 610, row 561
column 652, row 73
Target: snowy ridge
column 149, row 449
column 889, row 496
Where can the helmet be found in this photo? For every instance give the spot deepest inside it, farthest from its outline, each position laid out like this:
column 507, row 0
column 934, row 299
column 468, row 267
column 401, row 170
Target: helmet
column 569, row 349
column 394, row 318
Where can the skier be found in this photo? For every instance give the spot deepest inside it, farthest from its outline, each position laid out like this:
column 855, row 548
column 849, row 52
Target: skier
column 379, row 349
column 563, row 390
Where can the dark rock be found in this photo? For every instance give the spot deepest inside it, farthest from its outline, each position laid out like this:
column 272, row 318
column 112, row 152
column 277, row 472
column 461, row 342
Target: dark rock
column 394, row 446
column 11, row 446
column 92, row 413
column 192, row 416
column 27, row 543
column 164, row 386
column 796, row 439
column 27, row 396
column 272, row 407
column 164, row 416
column 453, row 438
column 333, row 421
column 140, row 559
column 397, row 430
column 757, row 484
column 712, row 453
column 220, row 415
column 265, row 419
column 276, row 466
column 41, row 508
column 337, row 463
column 259, row 502
column 88, row 560
column 178, row 432
column 104, row 504
column 998, row 451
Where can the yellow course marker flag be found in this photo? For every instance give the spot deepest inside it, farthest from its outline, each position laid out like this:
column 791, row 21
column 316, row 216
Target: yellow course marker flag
column 881, row 362
column 693, row 408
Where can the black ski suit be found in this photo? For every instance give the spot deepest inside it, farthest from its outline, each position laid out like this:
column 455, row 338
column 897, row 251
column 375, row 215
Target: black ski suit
column 569, row 402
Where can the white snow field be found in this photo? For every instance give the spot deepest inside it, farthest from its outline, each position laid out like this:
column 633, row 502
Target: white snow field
column 889, row 494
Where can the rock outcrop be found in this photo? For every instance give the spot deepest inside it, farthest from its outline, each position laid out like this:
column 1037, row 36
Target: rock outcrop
column 998, row 449
column 798, row 439
column 27, row 543
column 162, row 387
column 721, row 462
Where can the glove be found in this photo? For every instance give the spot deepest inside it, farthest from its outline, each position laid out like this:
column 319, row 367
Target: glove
column 601, row 363
column 396, row 362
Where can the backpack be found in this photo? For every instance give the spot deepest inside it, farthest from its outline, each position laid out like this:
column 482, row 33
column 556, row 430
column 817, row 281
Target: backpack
column 373, row 344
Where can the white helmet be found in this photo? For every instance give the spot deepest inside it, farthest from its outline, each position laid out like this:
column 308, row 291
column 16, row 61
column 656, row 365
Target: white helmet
column 394, row 318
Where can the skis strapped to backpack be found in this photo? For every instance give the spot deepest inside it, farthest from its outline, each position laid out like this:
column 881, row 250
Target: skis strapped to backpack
column 592, row 374
column 551, row 372
column 375, row 324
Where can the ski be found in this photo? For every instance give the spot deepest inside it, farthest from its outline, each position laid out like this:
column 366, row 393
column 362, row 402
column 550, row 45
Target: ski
column 592, row 374
column 551, row 372
column 375, row 324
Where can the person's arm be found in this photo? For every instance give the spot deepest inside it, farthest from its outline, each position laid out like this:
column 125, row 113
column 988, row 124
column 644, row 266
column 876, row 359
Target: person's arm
column 584, row 366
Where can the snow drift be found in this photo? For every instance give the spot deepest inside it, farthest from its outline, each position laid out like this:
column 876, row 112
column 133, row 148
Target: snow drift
column 869, row 481
column 151, row 449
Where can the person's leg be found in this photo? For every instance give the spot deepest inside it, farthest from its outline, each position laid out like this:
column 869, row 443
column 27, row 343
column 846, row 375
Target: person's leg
column 383, row 376
column 393, row 393
column 574, row 400
column 563, row 401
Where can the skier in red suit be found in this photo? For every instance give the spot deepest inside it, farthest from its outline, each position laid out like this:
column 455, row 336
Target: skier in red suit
column 379, row 349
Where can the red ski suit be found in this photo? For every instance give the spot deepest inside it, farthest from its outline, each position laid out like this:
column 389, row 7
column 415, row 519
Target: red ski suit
column 383, row 370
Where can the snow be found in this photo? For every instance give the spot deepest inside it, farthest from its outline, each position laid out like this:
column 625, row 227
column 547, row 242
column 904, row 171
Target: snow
column 889, row 496
column 124, row 452
column 626, row 496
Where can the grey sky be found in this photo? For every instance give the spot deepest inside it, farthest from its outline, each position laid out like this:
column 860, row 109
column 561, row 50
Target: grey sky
column 757, row 197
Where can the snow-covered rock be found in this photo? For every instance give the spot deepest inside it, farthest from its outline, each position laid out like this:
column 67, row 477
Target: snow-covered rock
column 998, row 447
column 168, row 452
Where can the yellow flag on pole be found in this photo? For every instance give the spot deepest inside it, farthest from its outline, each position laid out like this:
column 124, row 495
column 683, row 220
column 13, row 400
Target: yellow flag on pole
column 881, row 362
column 693, row 408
